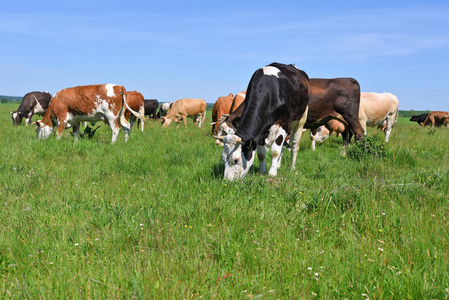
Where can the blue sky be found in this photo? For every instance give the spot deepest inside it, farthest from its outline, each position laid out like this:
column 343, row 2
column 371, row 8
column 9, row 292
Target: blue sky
column 205, row 49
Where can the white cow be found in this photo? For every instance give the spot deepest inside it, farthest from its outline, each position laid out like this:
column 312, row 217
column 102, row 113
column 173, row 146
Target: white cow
column 379, row 109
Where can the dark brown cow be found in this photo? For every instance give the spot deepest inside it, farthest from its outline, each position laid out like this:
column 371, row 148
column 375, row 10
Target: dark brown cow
column 32, row 103
column 135, row 101
column 221, row 107
column 436, row 118
column 90, row 103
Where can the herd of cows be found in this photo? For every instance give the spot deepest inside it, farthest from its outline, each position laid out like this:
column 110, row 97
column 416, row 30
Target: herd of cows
column 280, row 103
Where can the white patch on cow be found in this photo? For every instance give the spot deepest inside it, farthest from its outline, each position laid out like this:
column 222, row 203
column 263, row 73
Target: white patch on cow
column 14, row 115
column 38, row 109
column 43, row 131
column 236, row 165
column 269, row 70
column 243, row 95
column 110, row 90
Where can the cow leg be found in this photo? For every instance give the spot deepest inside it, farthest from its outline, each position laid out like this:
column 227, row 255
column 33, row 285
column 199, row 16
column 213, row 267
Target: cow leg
column 388, row 128
column 184, row 118
column 139, row 121
column 76, row 131
column 313, row 132
column 132, row 119
column 61, row 128
column 295, row 138
column 276, row 151
column 115, row 128
column 261, row 155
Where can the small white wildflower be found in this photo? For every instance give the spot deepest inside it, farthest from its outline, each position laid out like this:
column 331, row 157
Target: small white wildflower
column 51, row 263
column 383, row 214
column 76, row 244
column 313, row 294
column 316, row 274
column 141, row 224
column 96, row 239
column 309, row 268
column 380, row 249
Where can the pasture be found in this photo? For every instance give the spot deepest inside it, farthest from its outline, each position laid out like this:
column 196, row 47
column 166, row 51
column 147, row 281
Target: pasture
column 153, row 218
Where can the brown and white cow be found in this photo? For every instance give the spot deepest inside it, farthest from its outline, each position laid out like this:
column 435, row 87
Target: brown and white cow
column 90, row 103
column 379, row 109
column 437, row 118
column 186, row 108
column 221, row 107
column 135, row 101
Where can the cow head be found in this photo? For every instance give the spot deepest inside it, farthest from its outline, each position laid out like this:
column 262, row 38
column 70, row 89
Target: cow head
column 16, row 117
column 165, row 122
column 238, row 157
column 43, row 131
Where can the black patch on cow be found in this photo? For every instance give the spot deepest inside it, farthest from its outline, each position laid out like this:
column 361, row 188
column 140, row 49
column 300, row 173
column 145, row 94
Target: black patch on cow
column 248, row 149
column 279, row 140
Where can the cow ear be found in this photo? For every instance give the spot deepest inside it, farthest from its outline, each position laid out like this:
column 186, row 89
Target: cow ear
column 11, row 112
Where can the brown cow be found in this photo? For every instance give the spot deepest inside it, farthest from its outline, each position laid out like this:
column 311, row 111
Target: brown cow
column 437, row 118
column 221, row 107
column 135, row 100
column 238, row 99
column 183, row 108
column 91, row 103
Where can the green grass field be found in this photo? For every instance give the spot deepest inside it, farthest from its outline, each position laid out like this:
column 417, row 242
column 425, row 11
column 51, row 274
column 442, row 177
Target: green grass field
column 153, row 218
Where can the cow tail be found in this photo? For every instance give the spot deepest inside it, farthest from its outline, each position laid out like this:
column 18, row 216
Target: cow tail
column 137, row 114
column 122, row 119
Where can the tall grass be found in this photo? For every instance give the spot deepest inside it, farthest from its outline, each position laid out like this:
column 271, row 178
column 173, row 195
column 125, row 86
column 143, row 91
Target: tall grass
column 153, row 218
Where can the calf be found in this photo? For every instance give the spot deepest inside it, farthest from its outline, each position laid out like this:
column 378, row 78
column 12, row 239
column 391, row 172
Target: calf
column 91, row 103
column 275, row 105
column 186, row 108
column 32, row 103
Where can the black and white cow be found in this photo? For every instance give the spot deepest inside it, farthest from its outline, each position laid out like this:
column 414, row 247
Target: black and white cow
column 276, row 104
column 32, row 103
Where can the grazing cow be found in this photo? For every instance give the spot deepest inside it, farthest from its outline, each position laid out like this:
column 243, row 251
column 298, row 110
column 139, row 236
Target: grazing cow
column 221, row 107
column 32, row 103
column 275, row 105
column 135, row 101
column 419, row 118
column 91, row 103
column 437, row 118
column 379, row 109
column 151, row 106
column 329, row 99
column 183, row 108
column 335, row 99
column 238, row 99
column 165, row 108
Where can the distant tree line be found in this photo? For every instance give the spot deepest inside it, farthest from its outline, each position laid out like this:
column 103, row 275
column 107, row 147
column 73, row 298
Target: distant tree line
column 7, row 99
